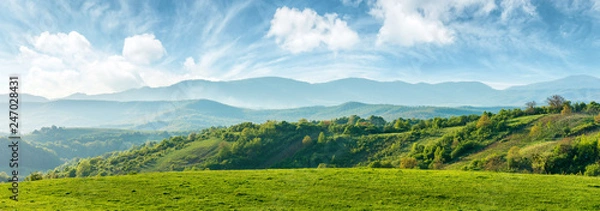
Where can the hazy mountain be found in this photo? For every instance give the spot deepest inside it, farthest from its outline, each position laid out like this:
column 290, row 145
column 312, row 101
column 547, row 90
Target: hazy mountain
column 195, row 114
column 277, row 93
column 272, row 92
column 571, row 82
column 574, row 88
column 26, row 98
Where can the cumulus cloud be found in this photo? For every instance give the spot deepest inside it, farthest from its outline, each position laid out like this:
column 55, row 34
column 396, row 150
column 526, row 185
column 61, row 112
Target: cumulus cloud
column 412, row 22
column 143, row 49
column 61, row 64
column 302, row 31
column 72, row 44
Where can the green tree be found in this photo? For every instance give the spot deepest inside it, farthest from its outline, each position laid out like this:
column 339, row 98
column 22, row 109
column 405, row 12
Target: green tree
column 513, row 158
column 597, row 119
column 34, row 176
column 83, row 168
column 377, row 121
column 535, row 131
column 592, row 170
column 321, row 139
column 4, row 177
column 484, row 121
column 438, row 159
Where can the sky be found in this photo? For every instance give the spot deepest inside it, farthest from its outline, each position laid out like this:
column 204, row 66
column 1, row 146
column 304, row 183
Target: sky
column 63, row 47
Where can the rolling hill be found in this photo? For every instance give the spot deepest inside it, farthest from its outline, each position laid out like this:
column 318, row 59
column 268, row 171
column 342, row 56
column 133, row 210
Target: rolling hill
column 512, row 141
column 196, row 114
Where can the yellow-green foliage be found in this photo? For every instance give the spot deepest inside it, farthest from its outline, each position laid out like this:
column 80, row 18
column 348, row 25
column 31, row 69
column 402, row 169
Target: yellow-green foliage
column 310, row 189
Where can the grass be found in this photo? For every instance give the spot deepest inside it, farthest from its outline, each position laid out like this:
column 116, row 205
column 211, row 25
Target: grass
column 310, row 189
column 524, row 120
column 193, row 152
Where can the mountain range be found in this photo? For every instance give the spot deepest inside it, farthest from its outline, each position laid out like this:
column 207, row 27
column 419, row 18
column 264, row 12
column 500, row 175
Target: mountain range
column 280, row 93
column 194, row 104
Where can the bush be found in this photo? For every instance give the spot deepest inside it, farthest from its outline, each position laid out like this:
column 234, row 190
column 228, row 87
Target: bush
column 592, row 170
column 307, row 140
column 322, row 166
column 34, row 176
column 408, row 163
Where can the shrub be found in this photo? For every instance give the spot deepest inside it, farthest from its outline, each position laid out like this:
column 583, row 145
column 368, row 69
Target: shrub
column 592, row 170
column 408, row 163
column 34, row 176
column 322, row 166
column 307, row 140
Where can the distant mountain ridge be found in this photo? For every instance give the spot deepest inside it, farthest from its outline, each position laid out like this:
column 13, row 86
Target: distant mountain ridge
column 281, row 93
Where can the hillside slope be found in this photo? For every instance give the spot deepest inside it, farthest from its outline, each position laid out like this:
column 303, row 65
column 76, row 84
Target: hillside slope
column 538, row 141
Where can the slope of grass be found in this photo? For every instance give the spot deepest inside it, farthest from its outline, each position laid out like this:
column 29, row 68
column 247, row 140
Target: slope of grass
column 193, row 152
column 310, row 189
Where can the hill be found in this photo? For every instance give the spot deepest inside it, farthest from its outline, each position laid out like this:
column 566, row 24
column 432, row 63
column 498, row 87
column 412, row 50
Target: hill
column 197, row 114
column 537, row 140
column 310, row 189
column 31, row 157
column 280, row 93
column 69, row 143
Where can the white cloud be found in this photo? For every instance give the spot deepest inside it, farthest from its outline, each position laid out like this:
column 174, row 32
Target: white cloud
column 513, row 8
column 302, row 31
column 57, row 65
column 143, row 49
column 412, row 22
column 72, row 44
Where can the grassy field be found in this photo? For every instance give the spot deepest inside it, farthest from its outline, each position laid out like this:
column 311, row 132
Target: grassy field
column 310, row 189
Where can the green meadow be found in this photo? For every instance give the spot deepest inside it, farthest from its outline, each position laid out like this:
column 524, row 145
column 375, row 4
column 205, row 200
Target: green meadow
column 310, row 189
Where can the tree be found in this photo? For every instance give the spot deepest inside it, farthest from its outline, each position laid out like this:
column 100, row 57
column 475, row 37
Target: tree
column 513, row 158
column 34, row 176
column 321, row 139
column 530, row 107
column 597, row 119
column 438, row 158
column 566, row 110
column 84, row 168
column 535, row 131
column 484, row 121
column 307, row 140
column 4, row 177
column 377, row 121
column 555, row 102
column 592, row 170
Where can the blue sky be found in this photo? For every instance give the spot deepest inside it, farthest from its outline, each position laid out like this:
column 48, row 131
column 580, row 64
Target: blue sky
column 63, row 47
